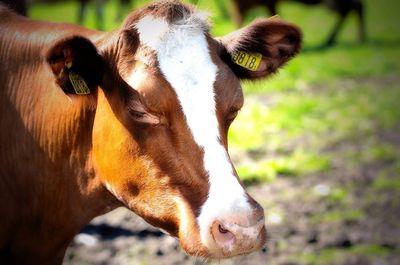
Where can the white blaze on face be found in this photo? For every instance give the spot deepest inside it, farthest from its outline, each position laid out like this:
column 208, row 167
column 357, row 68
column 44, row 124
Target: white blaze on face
column 185, row 61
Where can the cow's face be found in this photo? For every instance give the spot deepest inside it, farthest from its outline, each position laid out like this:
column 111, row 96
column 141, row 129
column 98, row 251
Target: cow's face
column 161, row 123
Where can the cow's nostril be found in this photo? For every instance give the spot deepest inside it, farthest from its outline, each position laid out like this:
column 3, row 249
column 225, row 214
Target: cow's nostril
column 222, row 229
column 224, row 238
column 231, row 237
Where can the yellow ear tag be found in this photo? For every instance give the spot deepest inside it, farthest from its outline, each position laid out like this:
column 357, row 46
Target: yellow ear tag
column 250, row 61
column 78, row 84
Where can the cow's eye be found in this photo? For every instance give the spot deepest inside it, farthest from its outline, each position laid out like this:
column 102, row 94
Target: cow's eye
column 137, row 115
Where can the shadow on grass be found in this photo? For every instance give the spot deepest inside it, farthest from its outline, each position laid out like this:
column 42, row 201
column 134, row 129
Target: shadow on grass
column 108, row 232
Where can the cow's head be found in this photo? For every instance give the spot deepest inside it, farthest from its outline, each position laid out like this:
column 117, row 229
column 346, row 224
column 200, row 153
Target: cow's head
column 163, row 112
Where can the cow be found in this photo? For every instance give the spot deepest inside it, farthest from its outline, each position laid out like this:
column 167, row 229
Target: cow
column 19, row 6
column 341, row 7
column 99, row 10
column 136, row 117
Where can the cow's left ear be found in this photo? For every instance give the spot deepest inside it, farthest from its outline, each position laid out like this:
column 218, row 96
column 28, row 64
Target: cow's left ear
column 76, row 64
column 261, row 48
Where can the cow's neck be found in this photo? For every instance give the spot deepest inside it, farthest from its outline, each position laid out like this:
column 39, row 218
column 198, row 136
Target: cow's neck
column 61, row 193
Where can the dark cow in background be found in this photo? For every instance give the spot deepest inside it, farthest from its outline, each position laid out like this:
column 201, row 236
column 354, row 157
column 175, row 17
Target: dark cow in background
column 342, row 7
column 136, row 117
column 19, row 6
column 99, row 10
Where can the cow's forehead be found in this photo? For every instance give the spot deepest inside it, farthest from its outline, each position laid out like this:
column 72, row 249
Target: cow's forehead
column 184, row 59
column 184, row 45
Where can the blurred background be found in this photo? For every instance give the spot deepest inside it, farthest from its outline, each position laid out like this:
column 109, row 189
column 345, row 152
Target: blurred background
column 318, row 144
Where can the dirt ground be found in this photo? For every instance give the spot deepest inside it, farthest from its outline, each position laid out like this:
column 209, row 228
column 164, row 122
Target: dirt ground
column 347, row 215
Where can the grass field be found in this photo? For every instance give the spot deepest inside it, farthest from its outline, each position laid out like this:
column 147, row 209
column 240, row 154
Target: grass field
column 328, row 111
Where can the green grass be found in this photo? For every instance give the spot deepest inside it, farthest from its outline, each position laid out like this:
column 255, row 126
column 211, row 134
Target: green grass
column 338, row 216
column 297, row 126
column 322, row 98
column 336, row 255
column 385, row 182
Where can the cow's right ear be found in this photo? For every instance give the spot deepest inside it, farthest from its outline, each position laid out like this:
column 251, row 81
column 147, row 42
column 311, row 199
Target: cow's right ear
column 76, row 64
column 261, row 48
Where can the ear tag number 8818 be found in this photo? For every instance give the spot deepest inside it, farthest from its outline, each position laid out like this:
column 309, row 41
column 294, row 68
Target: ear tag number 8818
column 250, row 61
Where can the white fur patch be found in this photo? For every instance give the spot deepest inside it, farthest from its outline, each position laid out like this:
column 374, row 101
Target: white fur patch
column 183, row 214
column 184, row 59
column 152, row 30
